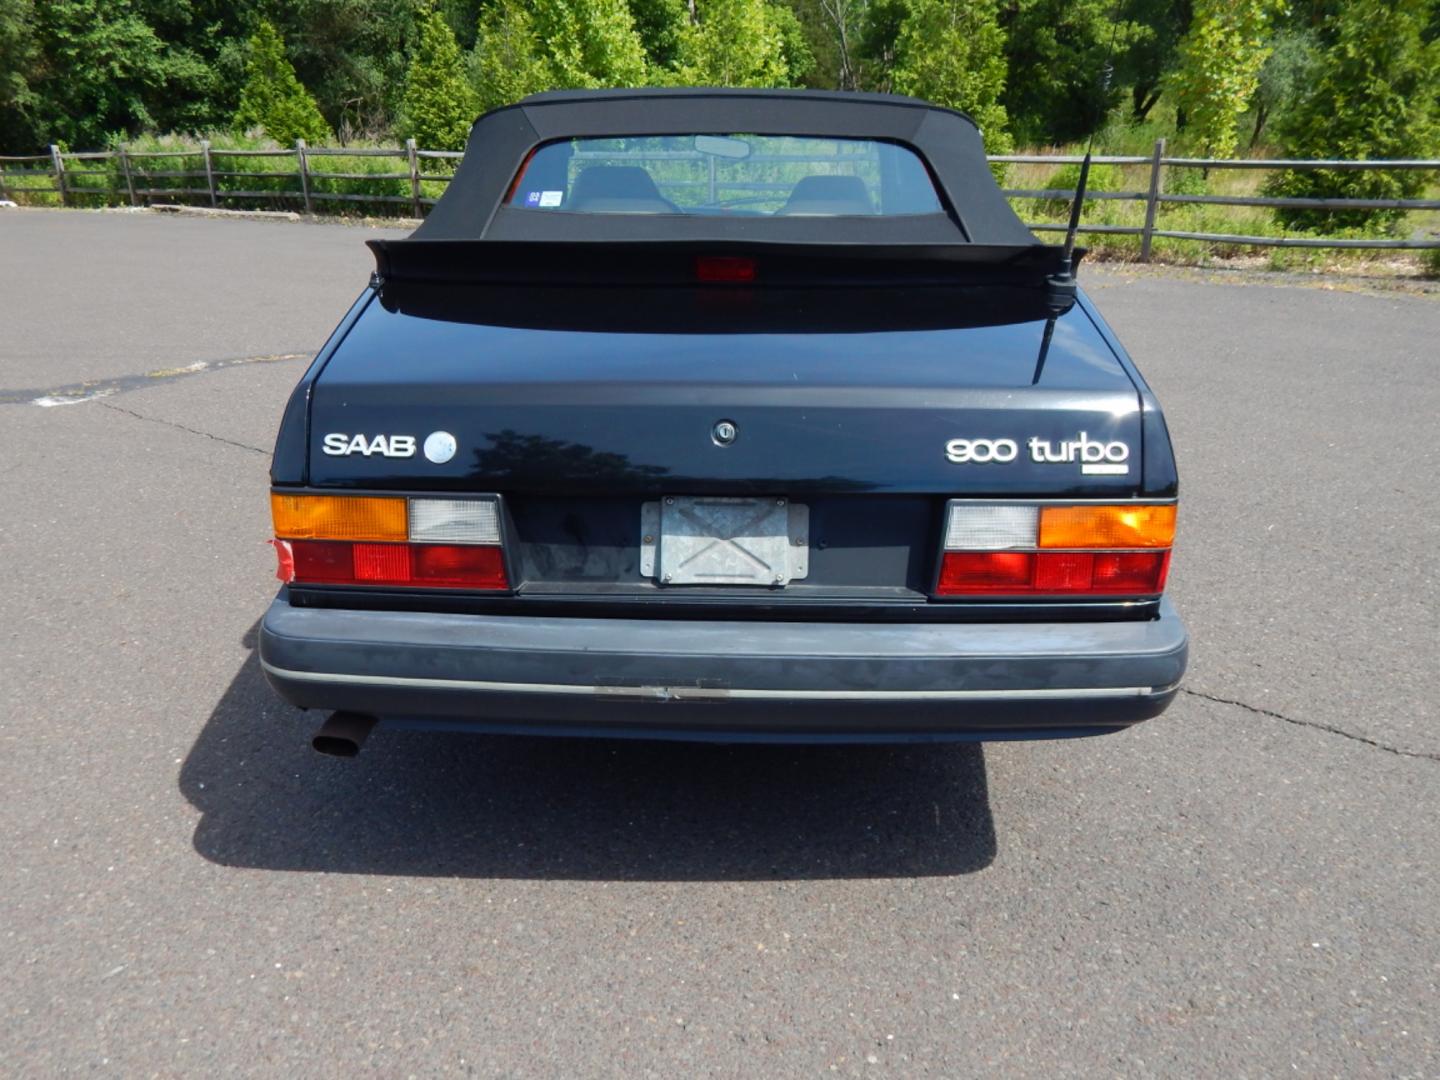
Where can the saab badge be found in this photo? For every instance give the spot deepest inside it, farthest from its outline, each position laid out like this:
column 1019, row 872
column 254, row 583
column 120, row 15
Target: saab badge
column 439, row 447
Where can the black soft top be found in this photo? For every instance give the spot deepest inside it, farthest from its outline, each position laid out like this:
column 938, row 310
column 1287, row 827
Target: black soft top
column 471, row 232
column 472, row 207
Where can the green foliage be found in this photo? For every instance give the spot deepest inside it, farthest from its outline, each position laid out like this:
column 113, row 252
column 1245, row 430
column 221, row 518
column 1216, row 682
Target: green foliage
column 82, row 69
column 350, row 54
column 795, row 47
column 507, row 64
column 734, row 43
column 524, row 46
column 590, row 43
column 1376, row 94
column 1220, row 62
column 17, row 53
column 1430, row 262
column 1186, row 182
column 951, row 52
column 1287, row 72
column 273, row 100
column 879, row 40
column 1057, row 51
column 1067, row 178
column 659, row 24
column 438, row 104
column 1144, row 66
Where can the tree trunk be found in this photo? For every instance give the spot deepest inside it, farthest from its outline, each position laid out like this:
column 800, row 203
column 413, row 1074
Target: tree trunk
column 1143, row 99
column 1262, row 114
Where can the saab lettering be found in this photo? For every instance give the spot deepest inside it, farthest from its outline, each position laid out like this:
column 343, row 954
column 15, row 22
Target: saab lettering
column 390, row 446
column 981, row 451
column 1095, row 458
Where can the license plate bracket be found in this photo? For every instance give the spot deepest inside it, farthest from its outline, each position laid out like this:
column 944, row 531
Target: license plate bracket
column 724, row 540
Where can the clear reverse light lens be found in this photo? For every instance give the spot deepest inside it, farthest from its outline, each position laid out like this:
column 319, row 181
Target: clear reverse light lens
column 986, row 527
column 454, row 521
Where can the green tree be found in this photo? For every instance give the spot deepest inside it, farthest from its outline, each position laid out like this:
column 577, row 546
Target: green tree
column 1220, row 61
column 438, row 104
column 951, row 52
column 1287, row 71
column 18, row 53
column 1375, row 94
column 1144, row 66
column 1057, row 52
column 733, row 43
column 507, row 64
column 589, row 43
column 85, row 69
column 795, row 47
column 350, row 54
column 273, row 98
column 660, row 24
column 528, row 45
column 879, row 38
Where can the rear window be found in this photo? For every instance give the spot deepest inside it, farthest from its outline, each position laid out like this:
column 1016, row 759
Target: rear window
column 726, row 175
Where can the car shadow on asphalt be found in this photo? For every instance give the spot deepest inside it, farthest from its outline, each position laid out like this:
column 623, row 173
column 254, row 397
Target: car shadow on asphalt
column 418, row 803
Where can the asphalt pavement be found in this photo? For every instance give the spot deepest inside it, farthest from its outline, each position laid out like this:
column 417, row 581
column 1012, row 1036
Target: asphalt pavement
column 1245, row 886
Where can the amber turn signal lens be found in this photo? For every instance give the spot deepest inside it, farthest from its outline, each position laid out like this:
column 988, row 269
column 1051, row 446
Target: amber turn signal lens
column 1138, row 526
column 338, row 517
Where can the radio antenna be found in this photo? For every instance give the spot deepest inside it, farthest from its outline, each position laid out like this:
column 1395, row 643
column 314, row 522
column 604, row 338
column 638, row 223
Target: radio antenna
column 1107, row 72
column 1066, row 277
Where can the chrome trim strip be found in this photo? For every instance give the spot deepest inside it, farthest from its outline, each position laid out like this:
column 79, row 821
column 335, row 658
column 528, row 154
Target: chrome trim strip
column 700, row 693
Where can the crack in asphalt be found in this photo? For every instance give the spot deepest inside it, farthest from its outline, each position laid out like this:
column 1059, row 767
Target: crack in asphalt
column 182, row 427
column 1313, row 725
column 91, row 390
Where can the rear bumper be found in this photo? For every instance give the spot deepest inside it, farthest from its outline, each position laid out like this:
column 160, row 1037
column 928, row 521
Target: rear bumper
column 665, row 678
column 781, row 681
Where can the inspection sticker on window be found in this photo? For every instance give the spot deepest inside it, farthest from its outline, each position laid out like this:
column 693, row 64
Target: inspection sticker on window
column 551, row 198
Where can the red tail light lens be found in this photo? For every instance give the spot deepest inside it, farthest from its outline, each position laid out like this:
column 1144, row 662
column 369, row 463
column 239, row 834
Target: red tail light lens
column 965, row 573
column 426, row 566
column 987, row 572
column 1131, row 571
column 322, row 562
column 446, row 567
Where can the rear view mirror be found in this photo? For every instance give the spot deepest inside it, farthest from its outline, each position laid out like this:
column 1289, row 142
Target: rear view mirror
column 722, row 146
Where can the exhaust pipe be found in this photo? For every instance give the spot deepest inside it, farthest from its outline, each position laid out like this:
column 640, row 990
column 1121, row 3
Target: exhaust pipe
column 343, row 734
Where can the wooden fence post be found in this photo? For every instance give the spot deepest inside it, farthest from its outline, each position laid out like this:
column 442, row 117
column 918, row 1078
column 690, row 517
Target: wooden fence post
column 1152, row 201
column 209, row 171
column 129, row 177
column 303, row 161
column 414, row 159
column 59, row 164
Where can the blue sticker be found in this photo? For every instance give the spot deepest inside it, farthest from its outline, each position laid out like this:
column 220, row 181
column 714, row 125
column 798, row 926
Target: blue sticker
column 532, row 198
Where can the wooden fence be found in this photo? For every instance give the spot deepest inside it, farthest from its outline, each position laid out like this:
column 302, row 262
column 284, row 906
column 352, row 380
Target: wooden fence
column 133, row 180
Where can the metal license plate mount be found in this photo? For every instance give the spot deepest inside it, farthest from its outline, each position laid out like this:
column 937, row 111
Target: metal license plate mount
column 724, row 540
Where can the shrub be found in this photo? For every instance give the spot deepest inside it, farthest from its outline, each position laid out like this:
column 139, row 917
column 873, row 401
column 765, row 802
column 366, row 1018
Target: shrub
column 1067, row 177
column 1376, row 94
column 438, row 105
column 273, row 99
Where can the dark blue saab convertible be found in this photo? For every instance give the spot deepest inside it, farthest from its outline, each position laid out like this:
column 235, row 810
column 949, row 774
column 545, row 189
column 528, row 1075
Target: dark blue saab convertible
column 720, row 414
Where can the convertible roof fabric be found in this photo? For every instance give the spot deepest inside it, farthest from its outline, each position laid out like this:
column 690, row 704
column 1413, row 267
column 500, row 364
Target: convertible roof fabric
column 473, row 206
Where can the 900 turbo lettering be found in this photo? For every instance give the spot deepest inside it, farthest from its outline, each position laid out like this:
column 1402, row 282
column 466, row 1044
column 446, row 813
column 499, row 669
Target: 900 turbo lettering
column 981, row 451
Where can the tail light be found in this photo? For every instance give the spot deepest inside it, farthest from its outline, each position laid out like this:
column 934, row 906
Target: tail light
column 389, row 540
column 1035, row 549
